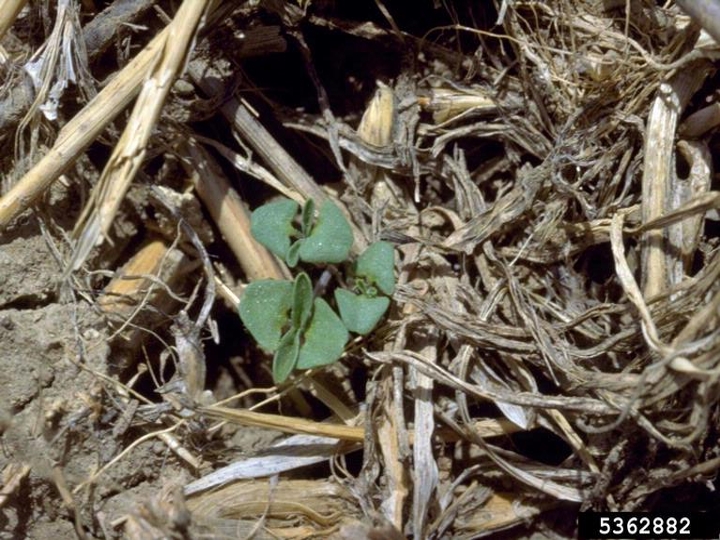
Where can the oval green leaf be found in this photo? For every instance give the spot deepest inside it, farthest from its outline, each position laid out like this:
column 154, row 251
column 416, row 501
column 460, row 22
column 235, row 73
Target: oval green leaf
column 377, row 265
column 325, row 338
column 308, row 214
column 302, row 301
column 264, row 310
column 286, row 356
column 271, row 225
column 331, row 237
column 293, row 254
column 360, row 313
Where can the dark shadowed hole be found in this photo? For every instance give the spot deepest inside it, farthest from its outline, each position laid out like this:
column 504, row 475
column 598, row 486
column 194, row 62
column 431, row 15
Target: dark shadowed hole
column 541, row 445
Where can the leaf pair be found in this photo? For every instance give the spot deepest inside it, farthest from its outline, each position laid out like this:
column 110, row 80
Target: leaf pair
column 373, row 275
column 325, row 240
column 284, row 319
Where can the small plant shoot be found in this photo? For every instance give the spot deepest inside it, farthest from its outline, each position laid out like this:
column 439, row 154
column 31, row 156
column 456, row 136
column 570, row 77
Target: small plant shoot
column 376, row 266
column 285, row 318
column 327, row 239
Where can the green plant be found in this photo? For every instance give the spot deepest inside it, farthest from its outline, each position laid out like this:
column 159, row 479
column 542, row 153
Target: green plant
column 326, row 240
column 285, row 317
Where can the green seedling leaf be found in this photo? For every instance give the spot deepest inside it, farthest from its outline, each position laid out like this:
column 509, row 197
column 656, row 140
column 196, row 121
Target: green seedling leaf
column 302, row 301
column 325, row 338
column 271, row 225
column 264, row 310
column 308, row 214
column 331, row 237
column 286, row 355
column 293, row 254
column 377, row 265
column 360, row 313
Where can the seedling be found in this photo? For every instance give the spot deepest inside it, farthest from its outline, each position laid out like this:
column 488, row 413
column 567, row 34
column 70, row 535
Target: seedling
column 373, row 276
column 327, row 240
column 284, row 317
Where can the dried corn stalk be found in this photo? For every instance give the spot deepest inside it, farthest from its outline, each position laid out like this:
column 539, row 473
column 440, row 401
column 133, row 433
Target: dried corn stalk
column 170, row 55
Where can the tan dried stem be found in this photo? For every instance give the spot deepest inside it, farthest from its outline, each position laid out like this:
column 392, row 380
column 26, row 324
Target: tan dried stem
column 8, row 14
column 79, row 132
column 169, row 58
column 659, row 172
column 232, row 218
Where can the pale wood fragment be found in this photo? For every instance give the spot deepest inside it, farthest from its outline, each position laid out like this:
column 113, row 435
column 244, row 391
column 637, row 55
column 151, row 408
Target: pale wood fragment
column 659, row 170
